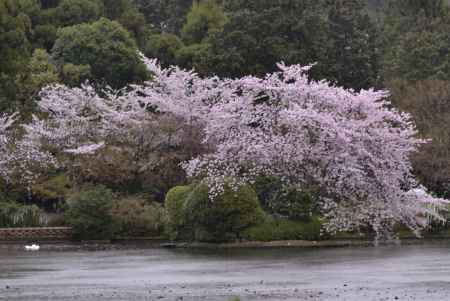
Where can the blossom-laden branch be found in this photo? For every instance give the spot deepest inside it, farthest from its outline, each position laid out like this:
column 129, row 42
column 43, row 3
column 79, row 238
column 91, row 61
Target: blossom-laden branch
column 6, row 121
column 22, row 161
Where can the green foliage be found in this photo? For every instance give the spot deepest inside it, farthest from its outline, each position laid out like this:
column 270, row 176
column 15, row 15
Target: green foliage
column 75, row 75
column 250, row 37
column 49, row 3
column 288, row 202
column 257, row 35
column 134, row 22
column 283, row 229
column 204, row 19
column 55, row 188
column 115, row 8
column 191, row 214
column 14, row 215
column 421, row 54
column 106, row 47
column 89, row 213
column 71, row 12
column 416, row 38
column 15, row 29
column 296, row 205
column 135, row 217
column 165, row 15
column 175, row 205
column 353, row 56
column 44, row 36
column 195, row 55
column 39, row 73
column 163, row 46
column 409, row 8
column 42, row 71
column 225, row 217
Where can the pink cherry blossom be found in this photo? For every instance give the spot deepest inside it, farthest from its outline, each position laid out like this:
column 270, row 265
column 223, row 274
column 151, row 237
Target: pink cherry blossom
column 6, row 121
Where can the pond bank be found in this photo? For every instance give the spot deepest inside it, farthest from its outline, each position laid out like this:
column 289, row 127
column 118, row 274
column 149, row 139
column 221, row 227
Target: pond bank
column 138, row 244
column 301, row 244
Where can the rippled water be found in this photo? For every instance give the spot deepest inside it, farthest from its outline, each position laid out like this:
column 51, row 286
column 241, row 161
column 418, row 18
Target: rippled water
column 420, row 272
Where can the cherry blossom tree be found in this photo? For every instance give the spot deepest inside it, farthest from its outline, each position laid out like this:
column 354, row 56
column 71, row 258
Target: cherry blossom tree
column 353, row 146
column 126, row 129
column 80, row 123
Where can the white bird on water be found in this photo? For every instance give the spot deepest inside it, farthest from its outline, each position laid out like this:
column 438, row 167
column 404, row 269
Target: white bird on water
column 33, row 247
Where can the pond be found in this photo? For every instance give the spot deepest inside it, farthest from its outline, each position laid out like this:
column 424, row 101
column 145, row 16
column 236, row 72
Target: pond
column 414, row 272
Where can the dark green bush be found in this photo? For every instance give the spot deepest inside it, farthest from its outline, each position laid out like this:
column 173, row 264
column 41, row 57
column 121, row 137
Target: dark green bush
column 135, row 217
column 225, row 217
column 283, row 229
column 89, row 213
column 288, row 202
column 192, row 215
column 175, row 205
column 312, row 229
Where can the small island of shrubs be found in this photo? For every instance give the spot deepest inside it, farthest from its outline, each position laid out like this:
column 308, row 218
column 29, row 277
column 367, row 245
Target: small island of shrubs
column 188, row 214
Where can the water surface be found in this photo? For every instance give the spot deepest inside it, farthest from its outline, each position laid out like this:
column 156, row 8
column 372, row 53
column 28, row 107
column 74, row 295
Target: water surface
column 419, row 272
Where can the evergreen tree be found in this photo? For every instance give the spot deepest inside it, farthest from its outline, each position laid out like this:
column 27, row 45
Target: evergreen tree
column 39, row 73
column 106, row 47
column 353, row 55
column 165, row 15
column 71, row 12
column 15, row 30
column 204, row 19
column 416, row 40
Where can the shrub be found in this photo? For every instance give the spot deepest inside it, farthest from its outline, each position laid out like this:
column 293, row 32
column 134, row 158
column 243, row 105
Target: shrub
column 175, row 204
column 89, row 213
column 288, row 202
column 225, row 217
column 295, row 205
column 283, row 229
column 135, row 217
column 16, row 215
column 55, row 188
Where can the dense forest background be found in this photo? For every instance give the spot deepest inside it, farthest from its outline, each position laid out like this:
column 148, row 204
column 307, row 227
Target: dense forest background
column 400, row 45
